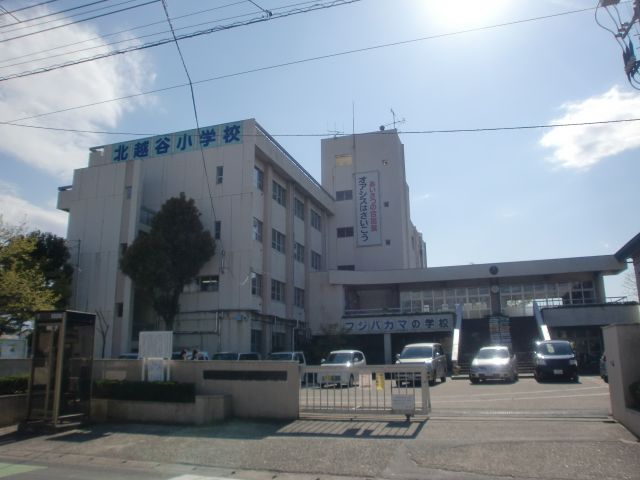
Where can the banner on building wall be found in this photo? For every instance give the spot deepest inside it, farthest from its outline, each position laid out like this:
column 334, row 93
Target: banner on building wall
column 437, row 322
column 170, row 143
column 367, row 196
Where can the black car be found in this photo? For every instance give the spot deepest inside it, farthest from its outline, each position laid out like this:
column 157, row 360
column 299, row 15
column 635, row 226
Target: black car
column 555, row 359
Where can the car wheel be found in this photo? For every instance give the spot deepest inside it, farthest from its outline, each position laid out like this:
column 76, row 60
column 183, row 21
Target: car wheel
column 475, row 381
column 576, row 378
column 606, row 379
column 432, row 382
column 443, row 379
column 351, row 381
column 538, row 376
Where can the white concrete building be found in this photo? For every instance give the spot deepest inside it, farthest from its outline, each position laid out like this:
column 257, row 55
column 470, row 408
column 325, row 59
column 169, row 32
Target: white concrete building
column 268, row 218
column 372, row 224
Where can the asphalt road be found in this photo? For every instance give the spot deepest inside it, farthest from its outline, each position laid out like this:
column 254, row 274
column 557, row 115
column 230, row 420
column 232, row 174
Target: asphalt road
column 524, row 430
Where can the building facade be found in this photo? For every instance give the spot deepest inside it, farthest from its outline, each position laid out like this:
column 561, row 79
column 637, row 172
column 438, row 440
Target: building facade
column 296, row 258
column 268, row 217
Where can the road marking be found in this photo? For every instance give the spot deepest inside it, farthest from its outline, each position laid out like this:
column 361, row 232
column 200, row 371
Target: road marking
column 8, row 469
column 189, row 476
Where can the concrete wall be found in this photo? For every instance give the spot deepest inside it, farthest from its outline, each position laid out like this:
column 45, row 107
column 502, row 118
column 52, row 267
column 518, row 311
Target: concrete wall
column 249, row 398
column 14, row 366
column 591, row 315
column 13, row 409
column 622, row 344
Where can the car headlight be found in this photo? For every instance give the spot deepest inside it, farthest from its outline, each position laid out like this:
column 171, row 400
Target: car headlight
column 475, row 362
column 540, row 361
column 573, row 361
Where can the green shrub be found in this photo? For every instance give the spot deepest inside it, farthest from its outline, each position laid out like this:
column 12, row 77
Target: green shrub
column 145, row 391
column 14, row 384
column 634, row 389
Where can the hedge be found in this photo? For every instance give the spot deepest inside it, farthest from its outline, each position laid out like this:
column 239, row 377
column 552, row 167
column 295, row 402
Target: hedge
column 145, row 391
column 14, row 384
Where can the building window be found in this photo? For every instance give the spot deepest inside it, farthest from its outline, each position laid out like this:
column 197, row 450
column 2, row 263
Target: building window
column 279, row 194
column 277, row 291
column 278, row 240
column 256, row 340
column 316, row 220
column 257, row 230
column 256, row 284
column 386, row 204
column 344, row 195
column 278, row 340
column 258, row 178
column 217, row 230
column 316, row 260
column 387, row 242
column 344, row 232
column 119, row 309
column 298, row 297
column 208, row 283
column 298, row 208
column 219, row 174
column 346, row 267
column 298, row 252
column 344, row 160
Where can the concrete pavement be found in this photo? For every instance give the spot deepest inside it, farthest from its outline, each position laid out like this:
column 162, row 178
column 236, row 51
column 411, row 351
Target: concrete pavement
column 524, row 431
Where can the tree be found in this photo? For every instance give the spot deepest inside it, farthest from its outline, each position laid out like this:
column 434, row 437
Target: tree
column 52, row 255
column 23, row 286
column 163, row 261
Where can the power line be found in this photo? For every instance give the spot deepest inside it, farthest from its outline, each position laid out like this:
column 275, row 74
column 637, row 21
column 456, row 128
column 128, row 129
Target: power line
column 6, row 12
column 296, row 62
column 31, row 6
column 119, row 32
column 384, row 132
column 56, row 13
column 76, row 22
column 314, row 7
column 60, row 19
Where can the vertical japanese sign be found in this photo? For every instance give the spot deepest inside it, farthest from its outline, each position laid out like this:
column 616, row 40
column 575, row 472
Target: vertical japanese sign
column 367, row 193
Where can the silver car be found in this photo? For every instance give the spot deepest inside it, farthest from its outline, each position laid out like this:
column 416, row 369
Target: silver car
column 431, row 355
column 494, row 363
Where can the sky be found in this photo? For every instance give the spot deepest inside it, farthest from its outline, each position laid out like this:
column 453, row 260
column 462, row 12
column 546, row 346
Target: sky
column 430, row 65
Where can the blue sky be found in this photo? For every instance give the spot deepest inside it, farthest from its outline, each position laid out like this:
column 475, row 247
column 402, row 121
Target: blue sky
column 477, row 197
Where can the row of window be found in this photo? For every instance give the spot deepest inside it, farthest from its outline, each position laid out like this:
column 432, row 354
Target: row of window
column 279, row 194
column 211, row 283
column 279, row 242
column 277, row 290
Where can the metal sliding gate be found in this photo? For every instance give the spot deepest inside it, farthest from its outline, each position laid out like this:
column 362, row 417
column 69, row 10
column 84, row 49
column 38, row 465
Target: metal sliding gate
column 372, row 390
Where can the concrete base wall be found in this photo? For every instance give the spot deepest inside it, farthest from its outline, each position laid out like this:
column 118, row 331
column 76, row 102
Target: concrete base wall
column 206, row 409
column 622, row 344
column 13, row 409
column 14, row 366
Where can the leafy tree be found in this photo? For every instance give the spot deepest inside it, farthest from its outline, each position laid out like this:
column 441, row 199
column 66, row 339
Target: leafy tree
column 163, row 261
column 23, row 286
column 52, row 255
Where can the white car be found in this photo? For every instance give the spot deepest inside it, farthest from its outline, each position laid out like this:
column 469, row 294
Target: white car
column 339, row 366
column 431, row 355
column 494, row 363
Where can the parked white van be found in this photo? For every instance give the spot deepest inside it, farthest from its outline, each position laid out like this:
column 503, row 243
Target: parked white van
column 341, row 363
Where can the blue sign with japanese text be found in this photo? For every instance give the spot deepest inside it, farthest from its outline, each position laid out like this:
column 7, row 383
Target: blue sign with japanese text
column 172, row 143
column 419, row 323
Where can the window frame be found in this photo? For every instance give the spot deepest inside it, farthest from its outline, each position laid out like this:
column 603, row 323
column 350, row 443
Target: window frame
column 278, row 241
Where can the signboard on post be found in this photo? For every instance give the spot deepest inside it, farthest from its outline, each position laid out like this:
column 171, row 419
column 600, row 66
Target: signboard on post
column 367, row 193
column 156, row 344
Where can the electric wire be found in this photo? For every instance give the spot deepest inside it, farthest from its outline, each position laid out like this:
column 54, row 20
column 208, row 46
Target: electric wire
column 31, row 6
column 52, row 14
column 384, row 132
column 5, row 12
column 291, row 63
column 66, row 17
column 298, row 11
column 128, row 40
column 119, row 32
column 78, row 21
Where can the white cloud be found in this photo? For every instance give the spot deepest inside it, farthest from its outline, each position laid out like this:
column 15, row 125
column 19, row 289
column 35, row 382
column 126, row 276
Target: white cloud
column 581, row 147
column 54, row 152
column 16, row 211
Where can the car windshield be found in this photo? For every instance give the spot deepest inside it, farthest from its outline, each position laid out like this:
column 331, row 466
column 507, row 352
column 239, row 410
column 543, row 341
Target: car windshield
column 416, row 352
column 555, row 348
column 225, row 356
column 339, row 357
column 485, row 353
column 279, row 356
